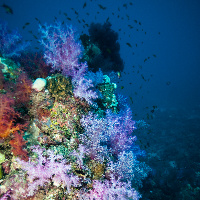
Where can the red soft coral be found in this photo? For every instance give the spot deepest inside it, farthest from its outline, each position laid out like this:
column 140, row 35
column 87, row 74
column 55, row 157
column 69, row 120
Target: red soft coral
column 23, row 89
column 34, row 65
column 7, row 116
column 17, row 146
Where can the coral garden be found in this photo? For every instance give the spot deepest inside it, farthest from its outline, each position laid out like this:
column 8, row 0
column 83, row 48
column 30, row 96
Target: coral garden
column 64, row 132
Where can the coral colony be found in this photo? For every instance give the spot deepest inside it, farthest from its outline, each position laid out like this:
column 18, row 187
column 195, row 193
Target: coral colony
column 64, row 133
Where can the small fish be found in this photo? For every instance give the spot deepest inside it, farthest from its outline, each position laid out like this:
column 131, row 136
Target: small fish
column 35, row 37
column 158, row 33
column 76, row 12
column 168, row 83
column 7, row 8
column 101, row 7
column 69, row 18
column 84, row 5
column 118, row 9
column 65, row 14
column 26, row 24
column 139, row 23
column 131, row 99
column 107, row 19
column 83, row 20
column 37, row 20
column 120, row 29
column 145, row 60
column 143, row 77
column 87, row 14
column 130, row 26
column 128, row 44
column 127, row 17
column 122, row 87
column 131, row 3
column 125, row 5
column 154, row 55
column 135, row 21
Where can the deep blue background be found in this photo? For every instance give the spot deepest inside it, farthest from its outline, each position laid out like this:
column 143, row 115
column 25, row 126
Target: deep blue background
column 172, row 34
column 174, row 73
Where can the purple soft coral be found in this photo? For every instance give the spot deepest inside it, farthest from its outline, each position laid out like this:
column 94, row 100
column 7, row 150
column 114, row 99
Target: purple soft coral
column 62, row 49
column 120, row 127
column 10, row 42
column 111, row 189
column 52, row 167
column 83, row 90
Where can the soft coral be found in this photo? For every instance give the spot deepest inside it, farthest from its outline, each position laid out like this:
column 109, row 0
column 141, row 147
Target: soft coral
column 7, row 116
column 17, row 146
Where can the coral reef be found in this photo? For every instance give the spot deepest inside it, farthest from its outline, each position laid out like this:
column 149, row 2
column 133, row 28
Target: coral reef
column 71, row 138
